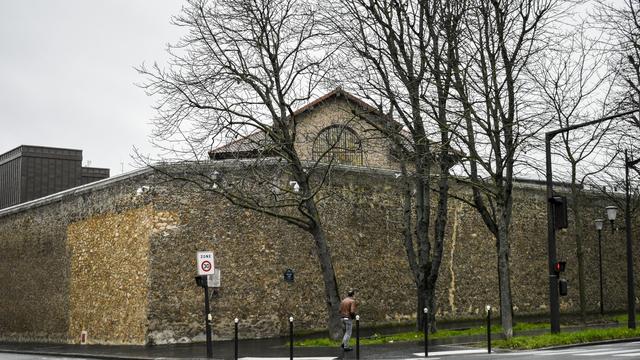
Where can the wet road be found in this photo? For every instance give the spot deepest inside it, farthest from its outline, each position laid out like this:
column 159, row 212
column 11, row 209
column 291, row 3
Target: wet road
column 629, row 350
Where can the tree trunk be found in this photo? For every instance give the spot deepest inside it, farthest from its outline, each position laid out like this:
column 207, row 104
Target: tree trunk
column 578, row 233
column 332, row 295
column 506, row 307
column 431, row 305
column 422, row 303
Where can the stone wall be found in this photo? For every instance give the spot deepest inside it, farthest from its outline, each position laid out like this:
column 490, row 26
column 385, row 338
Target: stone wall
column 339, row 111
column 66, row 265
column 108, row 283
column 120, row 263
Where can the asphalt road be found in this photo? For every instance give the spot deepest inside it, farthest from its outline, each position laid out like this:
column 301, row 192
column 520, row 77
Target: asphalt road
column 5, row 356
column 630, row 350
column 620, row 351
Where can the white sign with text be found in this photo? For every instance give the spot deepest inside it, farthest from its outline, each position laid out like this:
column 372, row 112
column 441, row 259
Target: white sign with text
column 205, row 262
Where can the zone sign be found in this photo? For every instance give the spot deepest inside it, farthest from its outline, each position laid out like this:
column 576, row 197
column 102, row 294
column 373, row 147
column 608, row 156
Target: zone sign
column 205, row 262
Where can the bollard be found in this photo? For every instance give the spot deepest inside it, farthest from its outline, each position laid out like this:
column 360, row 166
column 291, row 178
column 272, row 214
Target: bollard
column 357, row 336
column 426, row 332
column 489, row 329
column 208, row 320
column 235, row 345
column 290, row 337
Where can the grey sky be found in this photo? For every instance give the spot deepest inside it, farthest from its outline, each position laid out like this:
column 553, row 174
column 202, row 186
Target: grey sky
column 67, row 77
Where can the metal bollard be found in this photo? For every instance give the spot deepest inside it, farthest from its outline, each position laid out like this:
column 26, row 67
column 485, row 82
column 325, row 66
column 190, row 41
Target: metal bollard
column 489, row 329
column 426, row 332
column 290, row 337
column 236, row 320
column 357, row 336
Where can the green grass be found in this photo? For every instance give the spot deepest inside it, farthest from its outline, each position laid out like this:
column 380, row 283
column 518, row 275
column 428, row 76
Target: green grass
column 517, row 342
column 566, row 338
column 622, row 319
column 377, row 339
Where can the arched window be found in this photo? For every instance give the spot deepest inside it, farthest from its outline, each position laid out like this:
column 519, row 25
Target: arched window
column 340, row 143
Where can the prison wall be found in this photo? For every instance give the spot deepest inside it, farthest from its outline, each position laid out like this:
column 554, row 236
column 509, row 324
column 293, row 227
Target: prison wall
column 117, row 259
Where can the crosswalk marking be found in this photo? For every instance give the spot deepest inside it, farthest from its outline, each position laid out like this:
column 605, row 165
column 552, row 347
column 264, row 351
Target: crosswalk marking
column 635, row 355
column 453, row 352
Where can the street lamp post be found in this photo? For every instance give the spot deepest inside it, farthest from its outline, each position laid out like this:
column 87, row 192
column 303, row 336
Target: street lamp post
column 631, row 297
column 612, row 211
column 599, row 225
column 554, row 296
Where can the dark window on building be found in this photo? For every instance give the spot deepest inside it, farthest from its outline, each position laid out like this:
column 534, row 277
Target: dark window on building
column 338, row 143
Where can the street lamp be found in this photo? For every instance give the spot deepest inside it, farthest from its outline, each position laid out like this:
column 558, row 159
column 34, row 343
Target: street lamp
column 631, row 297
column 612, row 211
column 599, row 226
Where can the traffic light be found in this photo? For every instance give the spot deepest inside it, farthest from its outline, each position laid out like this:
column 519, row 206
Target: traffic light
column 560, row 218
column 559, row 266
column 562, row 287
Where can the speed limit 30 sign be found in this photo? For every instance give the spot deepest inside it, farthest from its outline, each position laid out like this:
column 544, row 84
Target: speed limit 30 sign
column 205, row 262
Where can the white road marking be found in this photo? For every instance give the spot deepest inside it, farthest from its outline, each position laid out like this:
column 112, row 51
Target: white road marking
column 613, row 352
column 287, row 358
column 453, row 352
column 561, row 352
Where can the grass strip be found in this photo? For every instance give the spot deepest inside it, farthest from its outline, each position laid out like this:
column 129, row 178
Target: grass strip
column 378, row 339
column 565, row 338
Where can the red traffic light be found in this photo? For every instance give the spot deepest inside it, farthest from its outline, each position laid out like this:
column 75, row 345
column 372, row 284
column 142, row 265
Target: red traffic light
column 559, row 266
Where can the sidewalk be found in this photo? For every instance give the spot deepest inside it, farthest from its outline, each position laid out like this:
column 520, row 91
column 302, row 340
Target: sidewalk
column 264, row 348
column 274, row 348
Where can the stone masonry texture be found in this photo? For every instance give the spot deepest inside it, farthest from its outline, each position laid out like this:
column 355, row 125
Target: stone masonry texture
column 120, row 263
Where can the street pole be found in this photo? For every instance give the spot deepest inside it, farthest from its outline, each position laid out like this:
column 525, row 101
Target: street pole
column 631, row 297
column 600, row 262
column 554, row 298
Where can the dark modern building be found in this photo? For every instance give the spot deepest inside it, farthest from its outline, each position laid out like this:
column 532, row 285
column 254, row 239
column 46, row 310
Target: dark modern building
column 30, row 172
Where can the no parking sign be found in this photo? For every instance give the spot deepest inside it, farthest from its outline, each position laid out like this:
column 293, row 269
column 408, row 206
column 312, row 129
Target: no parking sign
column 205, row 262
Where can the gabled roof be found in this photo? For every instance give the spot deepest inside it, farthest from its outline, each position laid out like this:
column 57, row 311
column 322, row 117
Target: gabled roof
column 257, row 141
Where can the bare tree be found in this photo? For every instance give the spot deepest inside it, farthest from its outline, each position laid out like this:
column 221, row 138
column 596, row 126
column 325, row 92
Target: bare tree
column 238, row 74
column 396, row 55
column 620, row 22
column 571, row 78
column 500, row 39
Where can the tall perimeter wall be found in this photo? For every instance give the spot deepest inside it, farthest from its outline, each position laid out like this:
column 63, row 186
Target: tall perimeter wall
column 118, row 260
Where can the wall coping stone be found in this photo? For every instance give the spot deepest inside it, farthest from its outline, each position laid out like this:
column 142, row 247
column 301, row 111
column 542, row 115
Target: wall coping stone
column 105, row 183
column 78, row 190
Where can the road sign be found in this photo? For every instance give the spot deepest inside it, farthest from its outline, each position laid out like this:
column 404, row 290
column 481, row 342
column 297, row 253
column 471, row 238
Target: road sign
column 289, row 275
column 206, row 265
column 213, row 281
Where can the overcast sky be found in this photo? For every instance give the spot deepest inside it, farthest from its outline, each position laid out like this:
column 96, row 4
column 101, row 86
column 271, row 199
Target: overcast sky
column 67, row 74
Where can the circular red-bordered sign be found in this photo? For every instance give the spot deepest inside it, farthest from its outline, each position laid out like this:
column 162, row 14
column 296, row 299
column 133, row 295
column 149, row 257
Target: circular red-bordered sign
column 206, row 266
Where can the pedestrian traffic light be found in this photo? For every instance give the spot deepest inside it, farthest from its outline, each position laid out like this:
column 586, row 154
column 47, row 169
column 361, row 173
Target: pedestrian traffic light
column 560, row 217
column 559, row 266
column 562, row 287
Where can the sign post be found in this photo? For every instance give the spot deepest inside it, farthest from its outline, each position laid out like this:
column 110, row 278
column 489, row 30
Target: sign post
column 205, row 268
